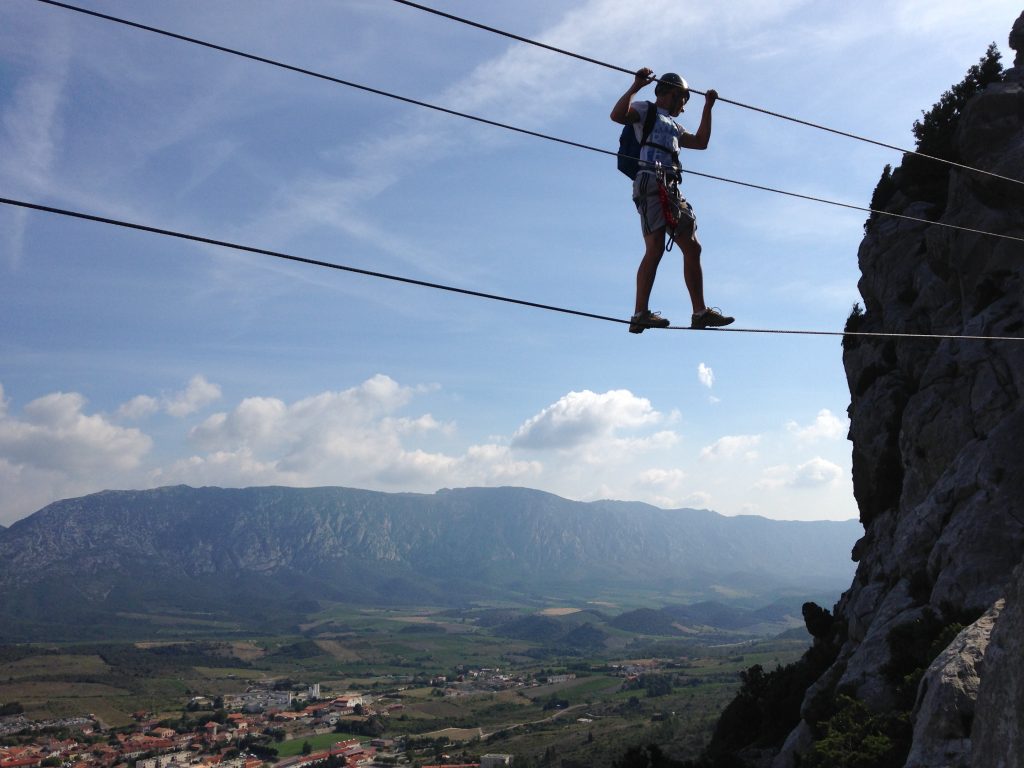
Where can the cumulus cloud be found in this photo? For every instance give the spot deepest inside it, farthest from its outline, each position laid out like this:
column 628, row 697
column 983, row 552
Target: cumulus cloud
column 777, row 476
column 357, row 436
column 350, row 437
column 322, row 421
column 419, row 425
column 369, row 436
column 138, row 407
column 349, row 426
column 731, row 447
column 826, row 426
column 584, row 417
column 816, row 472
column 55, row 433
column 664, row 478
column 705, row 375
column 698, row 500
column 55, row 449
column 811, row 474
column 197, row 394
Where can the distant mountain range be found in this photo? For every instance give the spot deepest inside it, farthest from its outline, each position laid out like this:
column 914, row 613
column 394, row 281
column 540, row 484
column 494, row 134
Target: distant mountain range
column 269, row 557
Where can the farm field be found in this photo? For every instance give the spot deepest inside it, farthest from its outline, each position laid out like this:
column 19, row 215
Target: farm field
column 316, row 743
column 465, row 683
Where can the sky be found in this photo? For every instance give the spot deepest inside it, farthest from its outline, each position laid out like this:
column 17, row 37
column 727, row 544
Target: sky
column 132, row 360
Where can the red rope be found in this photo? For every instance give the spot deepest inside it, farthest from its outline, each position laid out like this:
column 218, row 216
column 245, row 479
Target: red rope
column 671, row 222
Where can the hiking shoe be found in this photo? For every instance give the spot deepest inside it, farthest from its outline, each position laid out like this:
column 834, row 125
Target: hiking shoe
column 647, row 319
column 711, row 317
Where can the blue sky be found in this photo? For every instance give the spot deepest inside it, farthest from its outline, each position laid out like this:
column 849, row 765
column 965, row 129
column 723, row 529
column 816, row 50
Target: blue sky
column 129, row 360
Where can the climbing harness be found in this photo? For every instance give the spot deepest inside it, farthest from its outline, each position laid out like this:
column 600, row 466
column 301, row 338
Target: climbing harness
column 667, row 209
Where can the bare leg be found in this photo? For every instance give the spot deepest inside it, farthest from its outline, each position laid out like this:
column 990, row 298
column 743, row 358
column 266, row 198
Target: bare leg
column 693, row 273
column 654, row 249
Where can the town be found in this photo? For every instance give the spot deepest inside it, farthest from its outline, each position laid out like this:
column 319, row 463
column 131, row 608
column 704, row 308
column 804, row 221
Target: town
column 240, row 730
column 209, row 705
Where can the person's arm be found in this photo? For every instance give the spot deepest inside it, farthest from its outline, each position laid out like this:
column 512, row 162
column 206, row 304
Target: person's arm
column 621, row 113
column 702, row 137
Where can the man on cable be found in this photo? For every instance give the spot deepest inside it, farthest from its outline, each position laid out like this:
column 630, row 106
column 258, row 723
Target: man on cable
column 656, row 193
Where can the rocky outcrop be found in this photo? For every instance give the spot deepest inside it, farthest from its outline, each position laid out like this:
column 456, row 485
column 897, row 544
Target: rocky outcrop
column 945, row 709
column 937, row 469
column 998, row 736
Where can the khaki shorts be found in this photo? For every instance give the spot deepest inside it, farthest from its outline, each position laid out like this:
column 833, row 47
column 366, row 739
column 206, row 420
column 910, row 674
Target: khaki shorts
column 652, row 213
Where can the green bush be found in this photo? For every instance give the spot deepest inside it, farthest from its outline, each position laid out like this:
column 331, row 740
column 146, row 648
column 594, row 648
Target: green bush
column 856, row 737
column 853, row 324
column 884, row 190
column 767, row 706
column 920, row 177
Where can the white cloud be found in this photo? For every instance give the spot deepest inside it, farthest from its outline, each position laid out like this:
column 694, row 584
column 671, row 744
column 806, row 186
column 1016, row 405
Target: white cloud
column 420, row 425
column 138, row 407
column 811, row 474
column 198, row 394
column 495, row 464
column 705, row 375
column 580, row 418
column 666, row 488
column 54, row 449
column 351, row 437
column 31, row 131
column 56, row 434
column 731, row 447
column 30, row 127
column 816, row 472
column 664, row 478
column 698, row 500
column 326, row 421
column 826, row 426
column 774, row 477
column 365, row 437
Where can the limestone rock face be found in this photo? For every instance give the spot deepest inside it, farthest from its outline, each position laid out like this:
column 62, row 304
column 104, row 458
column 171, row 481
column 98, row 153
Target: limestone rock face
column 945, row 709
column 1017, row 40
column 936, row 428
column 998, row 735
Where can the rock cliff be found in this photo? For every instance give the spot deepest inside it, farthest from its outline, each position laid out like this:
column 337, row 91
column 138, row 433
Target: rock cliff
column 935, row 427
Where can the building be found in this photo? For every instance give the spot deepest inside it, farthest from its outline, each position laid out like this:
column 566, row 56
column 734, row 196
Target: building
column 171, row 759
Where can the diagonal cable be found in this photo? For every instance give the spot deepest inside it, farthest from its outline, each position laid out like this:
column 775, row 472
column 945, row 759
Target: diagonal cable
column 449, row 288
column 291, row 257
column 779, row 115
column 486, row 121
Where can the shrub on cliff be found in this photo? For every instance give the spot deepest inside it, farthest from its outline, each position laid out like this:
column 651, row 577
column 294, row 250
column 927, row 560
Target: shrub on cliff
column 921, row 178
column 856, row 737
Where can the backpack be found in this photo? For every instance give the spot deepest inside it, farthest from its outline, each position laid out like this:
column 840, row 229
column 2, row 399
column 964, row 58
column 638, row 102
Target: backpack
column 629, row 147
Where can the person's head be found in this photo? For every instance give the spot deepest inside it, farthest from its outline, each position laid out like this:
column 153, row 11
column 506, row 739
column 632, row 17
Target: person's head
column 672, row 92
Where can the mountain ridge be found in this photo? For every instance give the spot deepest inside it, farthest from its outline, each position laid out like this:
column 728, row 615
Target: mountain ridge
column 179, row 548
